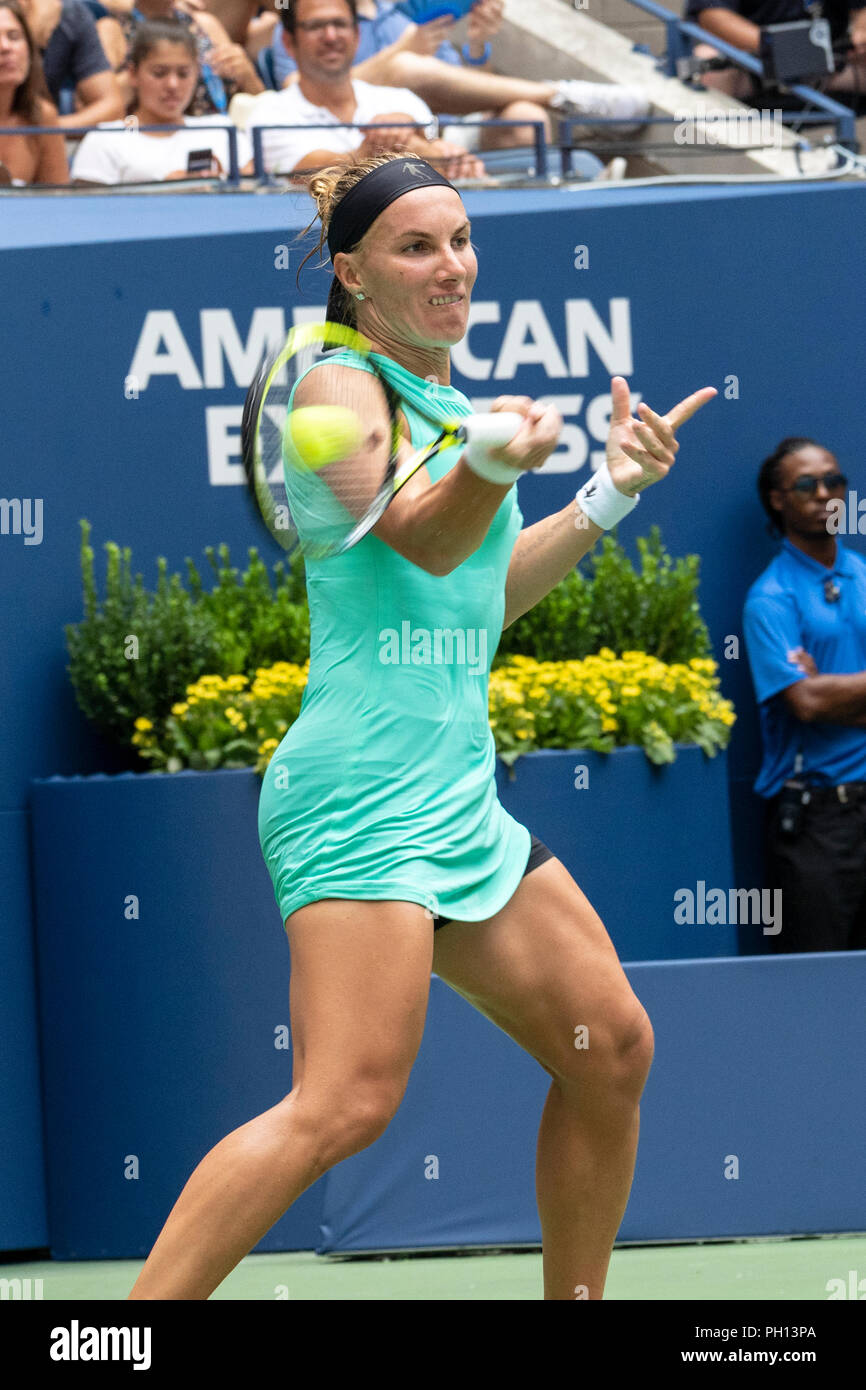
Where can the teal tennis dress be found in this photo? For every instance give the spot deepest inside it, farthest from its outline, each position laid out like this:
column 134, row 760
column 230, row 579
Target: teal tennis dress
column 384, row 786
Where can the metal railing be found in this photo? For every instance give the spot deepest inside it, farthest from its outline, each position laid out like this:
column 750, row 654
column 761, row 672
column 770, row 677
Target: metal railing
column 230, row 131
column 678, row 30
column 542, row 150
column 257, row 133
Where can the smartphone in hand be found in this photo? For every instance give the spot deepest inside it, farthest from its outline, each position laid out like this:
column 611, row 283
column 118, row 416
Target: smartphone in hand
column 201, row 162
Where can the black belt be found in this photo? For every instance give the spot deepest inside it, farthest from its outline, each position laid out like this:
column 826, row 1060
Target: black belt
column 843, row 792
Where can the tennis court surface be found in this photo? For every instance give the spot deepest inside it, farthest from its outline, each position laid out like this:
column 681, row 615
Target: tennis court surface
column 751, row 1270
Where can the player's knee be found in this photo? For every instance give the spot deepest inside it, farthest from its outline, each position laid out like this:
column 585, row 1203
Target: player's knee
column 357, row 1117
column 611, row 1061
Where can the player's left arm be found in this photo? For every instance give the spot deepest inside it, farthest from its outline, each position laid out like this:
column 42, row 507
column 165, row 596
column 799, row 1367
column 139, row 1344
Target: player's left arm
column 639, row 453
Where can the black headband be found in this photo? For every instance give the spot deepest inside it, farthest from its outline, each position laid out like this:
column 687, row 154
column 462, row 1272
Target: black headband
column 375, row 192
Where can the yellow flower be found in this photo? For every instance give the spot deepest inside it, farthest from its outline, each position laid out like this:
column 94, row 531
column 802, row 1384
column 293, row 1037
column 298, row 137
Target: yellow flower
column 180, row 709
column 142, row 723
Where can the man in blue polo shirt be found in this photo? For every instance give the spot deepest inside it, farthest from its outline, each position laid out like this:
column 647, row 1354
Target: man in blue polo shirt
column 805, row 629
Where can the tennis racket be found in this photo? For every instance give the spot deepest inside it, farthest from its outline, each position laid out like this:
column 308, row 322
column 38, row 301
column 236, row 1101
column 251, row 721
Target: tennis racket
column 321, row 475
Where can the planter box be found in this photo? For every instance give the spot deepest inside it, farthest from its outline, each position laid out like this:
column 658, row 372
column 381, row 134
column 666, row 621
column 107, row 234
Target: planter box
column 632, row 835
column 163, row 975
column 163, row 968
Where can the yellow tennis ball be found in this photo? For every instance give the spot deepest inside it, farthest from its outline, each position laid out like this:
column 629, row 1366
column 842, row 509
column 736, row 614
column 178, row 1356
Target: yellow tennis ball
column 322, row 434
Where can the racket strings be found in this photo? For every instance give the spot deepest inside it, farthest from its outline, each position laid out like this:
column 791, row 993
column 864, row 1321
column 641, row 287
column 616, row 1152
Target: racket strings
column 314, row 485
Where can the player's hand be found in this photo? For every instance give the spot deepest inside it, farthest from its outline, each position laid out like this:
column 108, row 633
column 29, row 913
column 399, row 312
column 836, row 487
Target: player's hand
column 642, row 452
column 537, row 438
column 803, row 661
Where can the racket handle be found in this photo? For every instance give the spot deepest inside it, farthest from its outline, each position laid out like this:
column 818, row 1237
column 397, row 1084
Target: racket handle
column 485, row 432
column 493, row 430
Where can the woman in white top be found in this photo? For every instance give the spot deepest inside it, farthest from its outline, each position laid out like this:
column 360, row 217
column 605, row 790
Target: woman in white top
column 164, row 72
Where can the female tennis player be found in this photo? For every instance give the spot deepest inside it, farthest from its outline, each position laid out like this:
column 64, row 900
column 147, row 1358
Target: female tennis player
column 389, row 851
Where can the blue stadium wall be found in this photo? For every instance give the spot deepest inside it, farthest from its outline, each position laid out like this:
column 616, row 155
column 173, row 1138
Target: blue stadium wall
column 131, row 328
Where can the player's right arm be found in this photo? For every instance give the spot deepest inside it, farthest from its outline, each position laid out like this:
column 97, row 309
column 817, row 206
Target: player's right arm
column 434, row 525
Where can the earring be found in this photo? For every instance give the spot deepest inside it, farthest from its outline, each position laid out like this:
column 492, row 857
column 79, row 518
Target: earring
column 360, row 295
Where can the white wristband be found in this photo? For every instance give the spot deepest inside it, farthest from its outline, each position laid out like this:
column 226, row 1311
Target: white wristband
column 600, row 500
column 486, row 432
column 490, row 469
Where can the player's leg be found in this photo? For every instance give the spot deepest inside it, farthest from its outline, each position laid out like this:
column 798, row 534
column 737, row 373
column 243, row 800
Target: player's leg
column 541, row 969
column 360, row 978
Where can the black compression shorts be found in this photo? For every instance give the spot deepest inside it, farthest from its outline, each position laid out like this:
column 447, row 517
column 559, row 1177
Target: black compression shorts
column 538, row 853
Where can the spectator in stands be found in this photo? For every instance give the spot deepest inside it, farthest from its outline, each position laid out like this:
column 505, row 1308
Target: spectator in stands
column 805, row 630
column 73, row 59
column 739, row 22
column 326, row 94
column 394, row 52
column 224, row 67
column 243, row 21
column 164, row 71
column 25, row 159
column 381, row 28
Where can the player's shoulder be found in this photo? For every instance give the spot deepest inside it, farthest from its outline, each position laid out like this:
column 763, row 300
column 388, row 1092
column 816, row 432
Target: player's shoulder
column 344, row 379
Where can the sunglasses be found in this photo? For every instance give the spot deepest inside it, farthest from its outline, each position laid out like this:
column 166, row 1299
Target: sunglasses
column 833, row 482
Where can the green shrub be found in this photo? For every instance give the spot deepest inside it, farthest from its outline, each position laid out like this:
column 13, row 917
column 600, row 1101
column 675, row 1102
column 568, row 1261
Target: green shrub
column 134, row 653
column 654, row 610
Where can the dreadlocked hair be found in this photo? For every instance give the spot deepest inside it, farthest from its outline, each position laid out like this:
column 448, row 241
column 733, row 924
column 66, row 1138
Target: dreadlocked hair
column 769, row 477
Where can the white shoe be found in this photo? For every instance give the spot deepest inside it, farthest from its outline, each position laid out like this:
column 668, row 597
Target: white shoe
column 576, row 98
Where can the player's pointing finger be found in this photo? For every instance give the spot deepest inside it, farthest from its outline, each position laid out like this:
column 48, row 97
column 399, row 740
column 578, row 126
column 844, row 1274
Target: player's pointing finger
column 686, row 409
column 620, row 400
